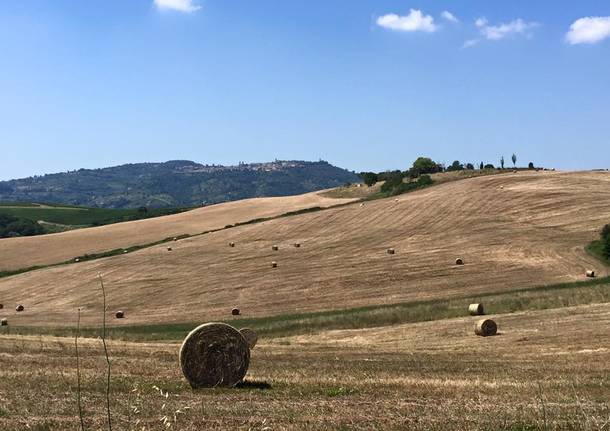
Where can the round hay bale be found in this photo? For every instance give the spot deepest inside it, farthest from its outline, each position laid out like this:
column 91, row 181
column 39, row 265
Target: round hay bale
column 119, row 314
column 169, row 249
column 501, row 187
column 250, row 336
column 235, row 312
column 19, row 308
column 361, row 205
column 297, row 244
column 1, row 306
column 590, row 273
column 273, row 264
column 275, row 248
column 3, row 322
column 214, row 354
column 485, row 328
column 476, row 310
column 459, row 261
column 231, row 244
column 390, row 251
column 77, row 260
column 175, row 238
column 124, row 251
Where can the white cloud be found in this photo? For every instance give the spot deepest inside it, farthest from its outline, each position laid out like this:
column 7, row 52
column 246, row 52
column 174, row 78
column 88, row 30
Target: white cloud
column 501, row 31
column 186, row 6
column 589, row 30
column 470, row 43
column 449, row 16
column 415, row 21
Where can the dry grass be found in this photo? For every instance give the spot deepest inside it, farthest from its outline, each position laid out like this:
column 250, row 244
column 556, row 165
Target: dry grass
column 17, row 253
column 534, row 235
column 432, row 376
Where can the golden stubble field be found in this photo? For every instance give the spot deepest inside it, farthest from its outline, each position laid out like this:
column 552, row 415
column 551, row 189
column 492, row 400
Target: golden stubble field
column 513, row 231
column 546, row 370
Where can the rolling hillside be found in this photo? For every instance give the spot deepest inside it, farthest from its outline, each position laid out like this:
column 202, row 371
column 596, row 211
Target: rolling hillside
column 513, row 231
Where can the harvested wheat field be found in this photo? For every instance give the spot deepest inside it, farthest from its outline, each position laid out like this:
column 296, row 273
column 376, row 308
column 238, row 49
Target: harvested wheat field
column 25, row 252
column 531, row 233
column 428, row 376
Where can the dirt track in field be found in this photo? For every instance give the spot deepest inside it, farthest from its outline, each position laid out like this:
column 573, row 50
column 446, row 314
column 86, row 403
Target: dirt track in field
column 17, row 253
column 513, row 231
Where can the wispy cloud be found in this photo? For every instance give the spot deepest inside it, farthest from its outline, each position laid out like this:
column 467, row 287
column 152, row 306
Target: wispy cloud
column 470, row 43
column 589, row 30
column 186, row 6
column 501, row 31
column 414, row 21
column 449, row 16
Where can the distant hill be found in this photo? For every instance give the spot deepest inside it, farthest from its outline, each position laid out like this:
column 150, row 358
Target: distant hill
column 177, row 183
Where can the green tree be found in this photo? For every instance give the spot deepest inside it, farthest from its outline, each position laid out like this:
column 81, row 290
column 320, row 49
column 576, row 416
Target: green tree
column 469, row 166
column 514, row 159
column 369, row 178
column 456, row 166
column 530, row 165
column 481, row 166
column 425, row 165
column 502, row 162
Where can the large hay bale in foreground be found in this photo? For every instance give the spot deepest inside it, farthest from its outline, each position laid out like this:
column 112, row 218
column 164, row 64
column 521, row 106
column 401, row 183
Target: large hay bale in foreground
column 476, row 310
column 119, row 314
column 250, row 336
column 485, row 328
column 235, row 312
column 590, row 273
column 214, row 354
column 3, row 322
column 19, row 308
column 459, row 261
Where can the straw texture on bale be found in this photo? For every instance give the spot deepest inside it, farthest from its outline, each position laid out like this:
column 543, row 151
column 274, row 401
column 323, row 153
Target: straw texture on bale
column 590, row 274
column 273, row 264
column 19, row 308
column 476, row 309
column 4, row 322
column 250, row 336
column 119, row 314
column 275, row 248
column 214, row 354
column 391, row 251
column 485, row 328
column 235, row 312
column 459, row 261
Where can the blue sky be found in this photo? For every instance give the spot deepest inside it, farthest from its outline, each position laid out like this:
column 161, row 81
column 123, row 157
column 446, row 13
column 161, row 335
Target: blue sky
column 364, row 84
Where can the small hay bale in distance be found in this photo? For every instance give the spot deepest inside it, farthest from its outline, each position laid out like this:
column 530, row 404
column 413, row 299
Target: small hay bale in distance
column 390, row 251
column 1, row 306
column 3, row 322
column 214, row 354
column 19, row 308
column 485, row 328
column 590, row 273
column 297, row 244
column 119, row 314
column 459, row 261
column 169, row 249
column 250, row 336
column 275, row 247
column 273, row 264
column 77, row 260
column 231, row 244
column 175, row 238
column 476, row 310
column 235, row 311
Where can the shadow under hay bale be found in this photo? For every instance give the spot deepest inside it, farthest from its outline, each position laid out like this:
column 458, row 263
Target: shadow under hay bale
column 214, row 354
column 459, row 261
column 235, row 312
column 1, row 306
column 590, row 274
column 476, row 310
column 119, row 314
column 3, row 322
column 253, row 384
column 485, row 328
column 390, row 251
column 250, row 336
column 19, row 308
